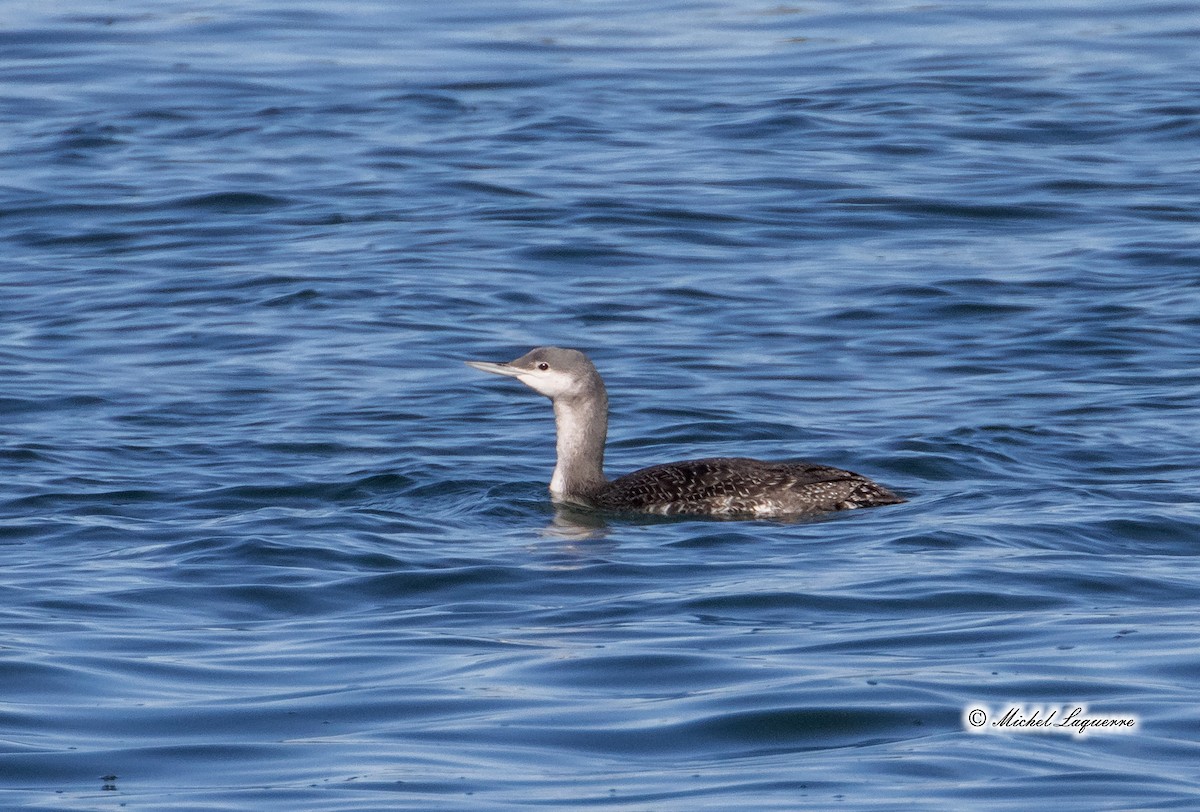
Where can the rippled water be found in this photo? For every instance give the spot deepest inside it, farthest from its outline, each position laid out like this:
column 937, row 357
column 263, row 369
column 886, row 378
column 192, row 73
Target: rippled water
column 266, row 541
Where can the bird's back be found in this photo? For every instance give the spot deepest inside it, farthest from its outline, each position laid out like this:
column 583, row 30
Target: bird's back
column 735, row 486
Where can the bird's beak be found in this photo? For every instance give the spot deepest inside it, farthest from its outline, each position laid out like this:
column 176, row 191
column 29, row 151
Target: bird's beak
column 495, row 369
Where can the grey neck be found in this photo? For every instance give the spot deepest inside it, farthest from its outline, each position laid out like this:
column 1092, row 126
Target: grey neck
column 582, row 424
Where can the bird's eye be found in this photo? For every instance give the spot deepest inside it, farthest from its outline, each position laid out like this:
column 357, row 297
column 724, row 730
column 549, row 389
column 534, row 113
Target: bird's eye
column 543, row 366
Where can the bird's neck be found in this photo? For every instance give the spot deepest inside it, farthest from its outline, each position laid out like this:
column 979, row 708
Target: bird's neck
column 582, row 425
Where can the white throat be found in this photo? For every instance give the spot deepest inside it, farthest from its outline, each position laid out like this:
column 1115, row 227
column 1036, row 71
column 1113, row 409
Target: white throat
column 581, row 427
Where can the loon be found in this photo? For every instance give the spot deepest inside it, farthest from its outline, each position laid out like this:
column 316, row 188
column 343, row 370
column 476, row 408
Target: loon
column 731, row 487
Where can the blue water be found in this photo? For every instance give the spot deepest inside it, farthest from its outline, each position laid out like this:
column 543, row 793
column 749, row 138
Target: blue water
column 266, row 543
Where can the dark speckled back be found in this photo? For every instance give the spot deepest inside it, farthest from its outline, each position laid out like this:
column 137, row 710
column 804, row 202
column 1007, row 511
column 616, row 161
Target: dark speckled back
column 735, row 486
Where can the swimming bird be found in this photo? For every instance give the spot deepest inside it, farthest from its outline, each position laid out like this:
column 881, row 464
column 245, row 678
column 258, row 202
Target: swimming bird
column 722, row 486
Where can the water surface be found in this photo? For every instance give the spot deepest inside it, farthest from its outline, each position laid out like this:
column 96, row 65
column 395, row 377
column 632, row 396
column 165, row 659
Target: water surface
column 267, row 542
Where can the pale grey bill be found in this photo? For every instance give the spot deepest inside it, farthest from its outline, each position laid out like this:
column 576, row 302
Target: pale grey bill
column 495, row 369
